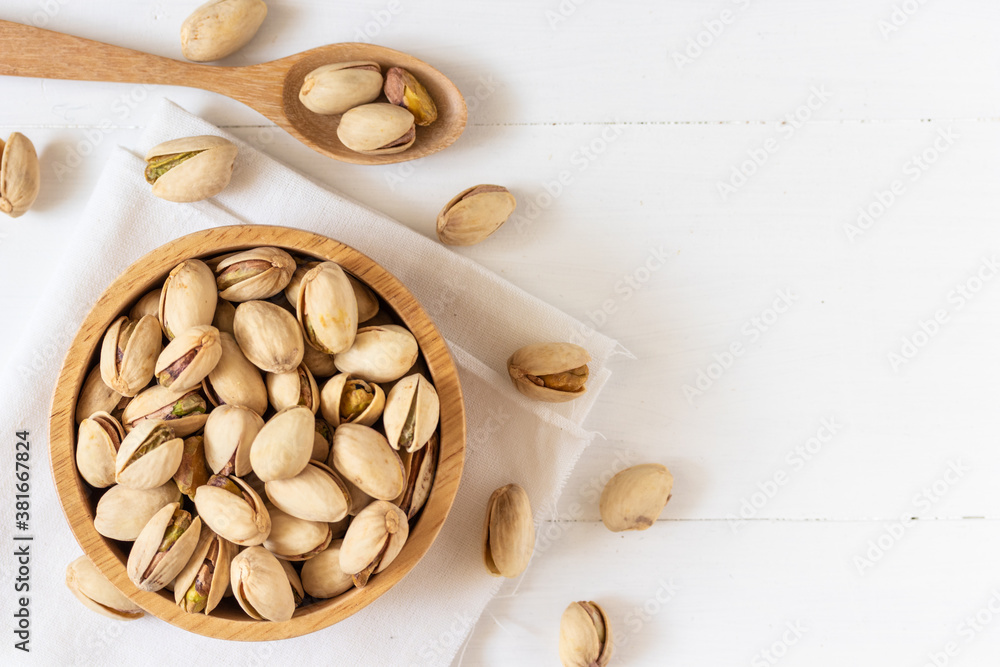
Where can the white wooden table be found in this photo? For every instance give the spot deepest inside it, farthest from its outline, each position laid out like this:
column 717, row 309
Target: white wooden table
column 786, row 210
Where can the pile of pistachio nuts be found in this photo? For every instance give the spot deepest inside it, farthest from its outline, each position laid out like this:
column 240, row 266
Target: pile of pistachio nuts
column 224, row 461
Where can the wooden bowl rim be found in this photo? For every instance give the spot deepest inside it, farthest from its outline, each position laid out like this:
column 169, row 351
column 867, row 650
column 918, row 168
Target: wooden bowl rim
column 138, row 279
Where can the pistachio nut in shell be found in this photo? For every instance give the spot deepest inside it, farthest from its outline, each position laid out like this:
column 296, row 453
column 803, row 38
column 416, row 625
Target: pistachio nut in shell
column 97, row 443
column 327, row 308
column 261, row 586
column 98, row 594
column 373, row 540
column 474, row 214
column 634, row 498
column 337, row 87
column 185, row 413
column 128, row 354
column 294, row 388
column 193, row 471
column 315, row 494
column 283, row 447
column 122, row 512
column 359, row 499
column 189, row 358
column 234, row 380
column 20, row 175
column 508, row 532
column 190, row 169
column 420, row 468
column 550, row 372
column 229, row 435
column 149, row 456
column 202, row 583
column 320, row 364
column 95, row 396
column 403, row 90
column 295, row 539
column 225, row 313
column 188, row 297
column 269, row 336
column 367, row 301
column 233, row 510
column 377, row 129
column 322, row 576
column 350, row 400
column 220, row 28
column 379, row 354
column 163, row 548
column 585, row 637
column 363, row 456
column 412, row 410
column 259, row 273
column 149, row 304
column 322, row 439
column 298, row 593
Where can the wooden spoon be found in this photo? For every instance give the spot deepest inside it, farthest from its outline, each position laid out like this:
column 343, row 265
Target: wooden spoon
column 270, row 88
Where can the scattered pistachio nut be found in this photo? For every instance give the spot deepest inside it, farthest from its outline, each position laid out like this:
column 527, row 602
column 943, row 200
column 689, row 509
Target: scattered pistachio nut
column 220, row 28
column 186, row 413
column 377, row 129
column 261, row 585
column 635, row 497
column 149, row 456
column 379, row 354
column 322, row 576
column 93, row 589
column 585, row 638
column 193, row 471
column 550, row 372
column 327, row 308
column 412, row 411
column 128, row 354
column 363, row 456
column 403, row 90
column 100, row 436
column 269, row 336
column 349, row 400
column 234, row 380
column 254, row 274
column 296, row 387
column 95, row 396
column 508, row 532
column 231, row 508
column 201, row 585
column 315, row 494
column 190, row 169
column 189, row 358
column 474, row 214
column 187, row 298
column 283, row 447
column 295, row 539
column 122, row 512
column 163, row 548
column 335, row 88
column 373, row 540
column 20, row 175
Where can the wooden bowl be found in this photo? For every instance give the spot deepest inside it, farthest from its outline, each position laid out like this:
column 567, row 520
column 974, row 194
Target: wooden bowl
column 79, row 500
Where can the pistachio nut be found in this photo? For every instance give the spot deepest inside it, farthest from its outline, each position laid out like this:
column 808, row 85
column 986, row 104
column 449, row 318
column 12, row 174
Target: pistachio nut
column 186, row 412
column 339, row 528
column 128, row 354
column 377, row 129
column 292, row 289
column 634, row 498
column 411, row 414
column 585, row 638
column 551, row 372
column 122, row 512
column 315, row 494
column 322, row 439
column 188, row 297
column 233, row 510
column 349, row 400
column 100, row 436
column 368, row 305
column 98, row 594
column 373, row 540
column 359, row 499
column 327, row 308
column 229, row 435
column 379, row 354
column 20, row 175
column 320, row 364
column 200, row 586
column 225, row 312
column 363, row 456
column 269, row 336
column 95, row 396
column 261, row 585
column 189, row 358
column 322, row 576
column 193, row 471
column 220, row 28
column 403, row 90
column 254, row 274
column 296, row 387
column 163, row 548
column 298, row 593
column 190, row 169
column 420, row 468
column 292, row 538
column 474, row 214
column 234, row 380
column 149, row 456
column 335, row 88
column 283, row 447
column 508, row 533
column 149, row 304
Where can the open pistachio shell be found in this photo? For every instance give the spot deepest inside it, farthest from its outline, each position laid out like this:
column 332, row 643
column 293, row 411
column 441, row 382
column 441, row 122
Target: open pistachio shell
column 231, row 508
column 404, row 90
column 349, row 400
column 261, row 585
column 635, row 497
column 190, row 169
column 254, row 274
column 322, row 576
column 377, row 129
column 373, row 540
column 20, row 175
column 379, row 354
column 95, row 396
column 550, row 372
column 234, row 380
column 585, row 638
column 362, row 455
column 229, row 435
column 411, row 414
column 294, row 388
column 295, row 539
column 420, row 468
column 474, row 214
column 189, row 358
column 508, row 532
column 327, row 308
column 149, row 304
column 188, row 297
column 122, row 512
column 199, row 587
column 322, row 439
column 163, row 548
column 337, row 87
column 185, row 412
column 193, row 471
column 269, row 336
column 128, row 354
column 283, row 447
column 97, row 446
column 315, row 494
column 98, row 594
column 149, row 456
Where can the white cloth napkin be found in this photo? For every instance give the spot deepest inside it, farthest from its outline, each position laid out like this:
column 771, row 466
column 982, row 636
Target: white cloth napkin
column 427, row 617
